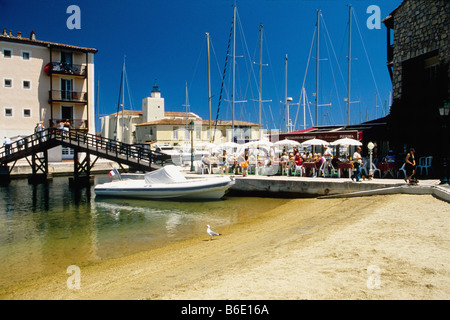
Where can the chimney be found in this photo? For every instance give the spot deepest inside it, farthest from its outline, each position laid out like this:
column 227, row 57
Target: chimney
column 32, row 36
column 4, row 32
column 10, row 33
column 19, row 34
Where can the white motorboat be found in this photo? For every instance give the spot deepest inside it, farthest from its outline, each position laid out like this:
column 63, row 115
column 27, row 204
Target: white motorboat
column 167, row 182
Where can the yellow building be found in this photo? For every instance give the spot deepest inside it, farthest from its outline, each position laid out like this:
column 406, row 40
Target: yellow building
column 44, row 81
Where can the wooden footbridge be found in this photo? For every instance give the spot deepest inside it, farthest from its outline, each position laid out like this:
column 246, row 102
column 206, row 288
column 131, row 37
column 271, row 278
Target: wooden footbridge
column 84, row 145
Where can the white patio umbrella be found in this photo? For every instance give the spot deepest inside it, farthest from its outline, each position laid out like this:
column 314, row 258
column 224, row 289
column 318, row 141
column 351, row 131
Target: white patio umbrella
column 228, row 145
column 315, row 142
column 257, row 143
column 205, row 145
column 286, row 143
column 346, row 142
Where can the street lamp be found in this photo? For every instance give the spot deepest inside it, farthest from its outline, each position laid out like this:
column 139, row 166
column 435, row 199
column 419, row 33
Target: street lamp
column 191, row 132
column 444, row 112
column 370, row 146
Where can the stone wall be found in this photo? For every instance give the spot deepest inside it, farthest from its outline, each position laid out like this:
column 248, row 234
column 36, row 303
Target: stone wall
column 420, row 27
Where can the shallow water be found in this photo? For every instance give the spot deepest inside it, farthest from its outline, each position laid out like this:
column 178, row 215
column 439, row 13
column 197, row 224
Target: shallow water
column 46, row 228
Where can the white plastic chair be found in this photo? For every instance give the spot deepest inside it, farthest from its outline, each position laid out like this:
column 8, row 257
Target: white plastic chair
column 402, row 169
column 299, row 169
column 364, row 168
column 375, row 169
column 420, row 163
column 425, row 164
column 201, row 167
column 327, row 169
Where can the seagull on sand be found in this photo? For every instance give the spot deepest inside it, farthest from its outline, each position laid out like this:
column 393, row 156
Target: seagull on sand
column 210, row 232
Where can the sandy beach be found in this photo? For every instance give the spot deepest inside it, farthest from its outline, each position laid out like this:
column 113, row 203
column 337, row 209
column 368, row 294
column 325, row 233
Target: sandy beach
column 379, row 247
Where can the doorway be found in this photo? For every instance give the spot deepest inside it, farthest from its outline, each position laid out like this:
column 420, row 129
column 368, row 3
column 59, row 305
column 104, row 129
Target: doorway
column 67, row 114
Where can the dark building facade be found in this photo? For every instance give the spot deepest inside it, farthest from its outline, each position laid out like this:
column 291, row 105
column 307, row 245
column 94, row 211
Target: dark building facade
column 418, row 63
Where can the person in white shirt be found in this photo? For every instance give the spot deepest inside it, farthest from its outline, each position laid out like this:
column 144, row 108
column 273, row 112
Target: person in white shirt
column 7, row 143
column 357, row 163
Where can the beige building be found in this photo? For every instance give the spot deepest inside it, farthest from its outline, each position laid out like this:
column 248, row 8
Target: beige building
column 155, row 125
column 44, row 81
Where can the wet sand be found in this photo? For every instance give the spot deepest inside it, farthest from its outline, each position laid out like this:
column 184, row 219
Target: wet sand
column 380, row 247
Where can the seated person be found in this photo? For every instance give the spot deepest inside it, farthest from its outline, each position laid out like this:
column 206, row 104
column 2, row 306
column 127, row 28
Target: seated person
column 306, row 156
column 206, row 160
column 390, row 157
column 335, row 162
column 321, row 160
column 298, row 159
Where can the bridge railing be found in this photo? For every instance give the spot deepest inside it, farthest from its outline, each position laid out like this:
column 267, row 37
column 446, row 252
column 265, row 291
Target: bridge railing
column 23, row 143
column 82, row 139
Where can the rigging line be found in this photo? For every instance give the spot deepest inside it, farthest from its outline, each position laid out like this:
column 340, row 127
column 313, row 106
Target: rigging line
column 249, row 75
column 270, row 64
column 271, row 115
column 333, row 75
column 252, row 63
column 309, row 109
column 218, row 66
column 128, row 89
column 223, row 79
column 340, row 71
column 334, row 52
column 241, row 104
column 118, row 102
column 367, row 56
column 272, row 71
column 337, row 66
column 306, row 72
column 244, row 44
column 202, row 48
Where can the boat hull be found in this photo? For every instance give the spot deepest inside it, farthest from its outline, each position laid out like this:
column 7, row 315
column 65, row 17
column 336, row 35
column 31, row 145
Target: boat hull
column 204, row 189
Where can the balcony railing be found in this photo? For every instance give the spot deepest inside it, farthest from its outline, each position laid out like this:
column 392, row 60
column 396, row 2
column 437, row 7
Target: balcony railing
column 69, row 96
column 65, row 68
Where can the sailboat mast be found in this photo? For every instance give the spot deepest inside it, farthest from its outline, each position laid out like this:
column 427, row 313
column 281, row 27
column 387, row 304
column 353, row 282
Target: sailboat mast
column 349, row 62
column 123, row 99
column 286, row 117
column 234, row 72
column 304, row 107
column 317, row 67
column 260, row 76
column 209, row 86
column 186, row 105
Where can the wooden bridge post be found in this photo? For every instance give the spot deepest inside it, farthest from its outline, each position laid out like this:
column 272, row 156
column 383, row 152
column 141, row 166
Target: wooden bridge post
column 39, row 168
column 5, row 176
column 81, row 170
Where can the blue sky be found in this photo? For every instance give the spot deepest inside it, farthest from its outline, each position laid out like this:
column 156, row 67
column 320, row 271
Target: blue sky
column 165, row 40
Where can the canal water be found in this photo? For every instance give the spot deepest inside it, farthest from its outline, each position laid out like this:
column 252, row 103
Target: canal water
column 46, row 228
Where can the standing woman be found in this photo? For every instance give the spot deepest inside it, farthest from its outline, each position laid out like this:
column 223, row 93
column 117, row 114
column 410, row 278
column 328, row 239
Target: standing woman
column 410, row 165
column 223, row 164
column 244, row 164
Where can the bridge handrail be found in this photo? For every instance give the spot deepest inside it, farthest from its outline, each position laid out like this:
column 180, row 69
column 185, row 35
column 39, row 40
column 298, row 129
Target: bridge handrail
column 81, row 138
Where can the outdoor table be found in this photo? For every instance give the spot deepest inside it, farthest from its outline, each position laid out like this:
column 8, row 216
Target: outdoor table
column 345, row 165
column 310, row 165
column 387, row 168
